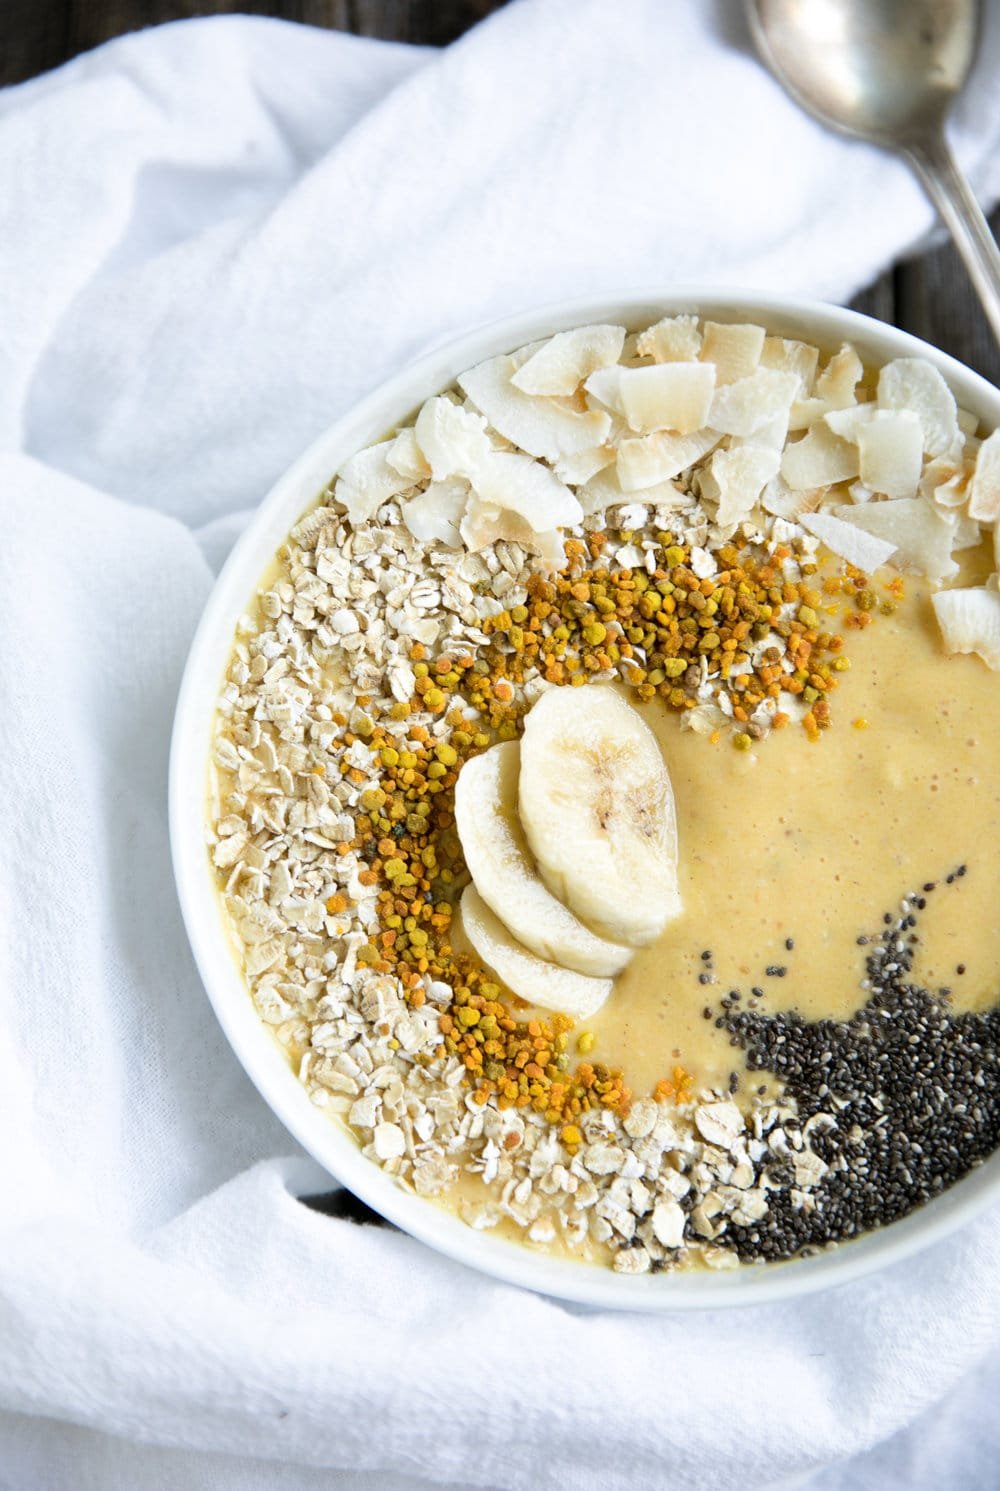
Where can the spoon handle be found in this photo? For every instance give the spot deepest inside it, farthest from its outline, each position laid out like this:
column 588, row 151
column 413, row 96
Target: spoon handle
column 951, row 193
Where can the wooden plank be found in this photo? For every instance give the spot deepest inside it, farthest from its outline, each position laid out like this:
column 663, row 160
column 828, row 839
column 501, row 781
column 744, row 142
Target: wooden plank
column 53, row 30
column 936, row 301
column 33, row 38
column 879, row 299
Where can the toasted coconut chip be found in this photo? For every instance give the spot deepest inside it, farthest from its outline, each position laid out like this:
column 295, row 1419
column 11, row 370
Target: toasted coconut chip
column 743, row 407
column 847, row 423
column 736, row 479
column 579, row 467
column 485, row 524
column 366, row 480
column 839, row 379
column 804, row 413
column 858, row 492
column 970, row 621
column 921, row 536
column 772, row 435
column 818, row 459
column 891, row 452
column 604, row 490
column 670, row 396
column 436, row 512
column 792, row 357
column 405, row 456
column 852, row 543
column 946, row 482
column 651, row 459
column 705, row 719
column 674, row 339
column 835, row 389
column 735, row 349
column 779, row 499
column 984, row 492
column 453, row 440
column 967, row 534
column 541, row 426
column 605, row 385
column 520, row 485
column 910, row 383
column 968, row 422
column 562, row 363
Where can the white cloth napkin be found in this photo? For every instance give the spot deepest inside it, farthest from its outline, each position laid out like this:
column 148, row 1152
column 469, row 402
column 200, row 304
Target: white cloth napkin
column 213, row 237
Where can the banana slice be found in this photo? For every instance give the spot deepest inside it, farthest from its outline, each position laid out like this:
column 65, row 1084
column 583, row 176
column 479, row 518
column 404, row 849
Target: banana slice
column 505, row 874
column 538, row 982
column 598, row 812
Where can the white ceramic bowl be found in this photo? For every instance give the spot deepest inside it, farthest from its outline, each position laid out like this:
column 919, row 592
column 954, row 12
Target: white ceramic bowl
column 325, row 1139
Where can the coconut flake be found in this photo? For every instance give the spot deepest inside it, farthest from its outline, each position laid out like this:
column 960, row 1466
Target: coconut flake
column 970, row 621
column 792, row 357
column 366, row 480
column 563, row 362
column 966, row 533
column 890, row 452
column 742, row 407
column 579, row 467
column 913, row 384
column 436, row 512
column 837, row 383
column 404, row 455
column 848, row 423
column 605, row 385
column 485, row 524
column 835, row 389
column 520, row 485
column 674, row 339
column 735, row 349
column 921, row 536
column 648, row 460
column 984, row 492
column 779, row 499
column 735, row 480
column 541, row 426
column 704, row 719
column 605, row 490
column 670, row 396
column 819, row 458
column 852, row 543
column 453, row 440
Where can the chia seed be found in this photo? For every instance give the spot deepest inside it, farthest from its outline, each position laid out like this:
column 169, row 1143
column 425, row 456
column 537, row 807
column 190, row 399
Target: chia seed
column 914, row 1087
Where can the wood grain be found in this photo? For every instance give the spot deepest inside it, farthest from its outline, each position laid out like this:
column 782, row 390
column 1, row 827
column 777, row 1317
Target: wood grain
column 36, row 35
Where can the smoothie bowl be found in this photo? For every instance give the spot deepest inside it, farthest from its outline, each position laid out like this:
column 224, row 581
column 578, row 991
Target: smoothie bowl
column 584, row 799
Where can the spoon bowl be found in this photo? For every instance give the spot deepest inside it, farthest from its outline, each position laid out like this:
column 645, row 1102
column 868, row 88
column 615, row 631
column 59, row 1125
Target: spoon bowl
column 888, row 71
column 885, row 72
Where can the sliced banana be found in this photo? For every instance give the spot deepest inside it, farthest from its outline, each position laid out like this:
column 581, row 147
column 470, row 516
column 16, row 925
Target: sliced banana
column 505, row 875
column 598, row 812
column 538, row 982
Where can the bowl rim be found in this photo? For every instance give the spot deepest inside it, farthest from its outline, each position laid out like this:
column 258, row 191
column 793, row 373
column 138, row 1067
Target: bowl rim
column 325, row 1137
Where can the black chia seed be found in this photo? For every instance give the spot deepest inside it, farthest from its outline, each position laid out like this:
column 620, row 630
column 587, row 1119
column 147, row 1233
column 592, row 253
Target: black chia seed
column 914, row 1088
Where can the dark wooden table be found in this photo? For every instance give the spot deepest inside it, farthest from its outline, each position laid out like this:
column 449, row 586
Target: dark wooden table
column 929, row 295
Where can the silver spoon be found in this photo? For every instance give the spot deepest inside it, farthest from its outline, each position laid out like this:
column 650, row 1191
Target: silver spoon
column 888, row 71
